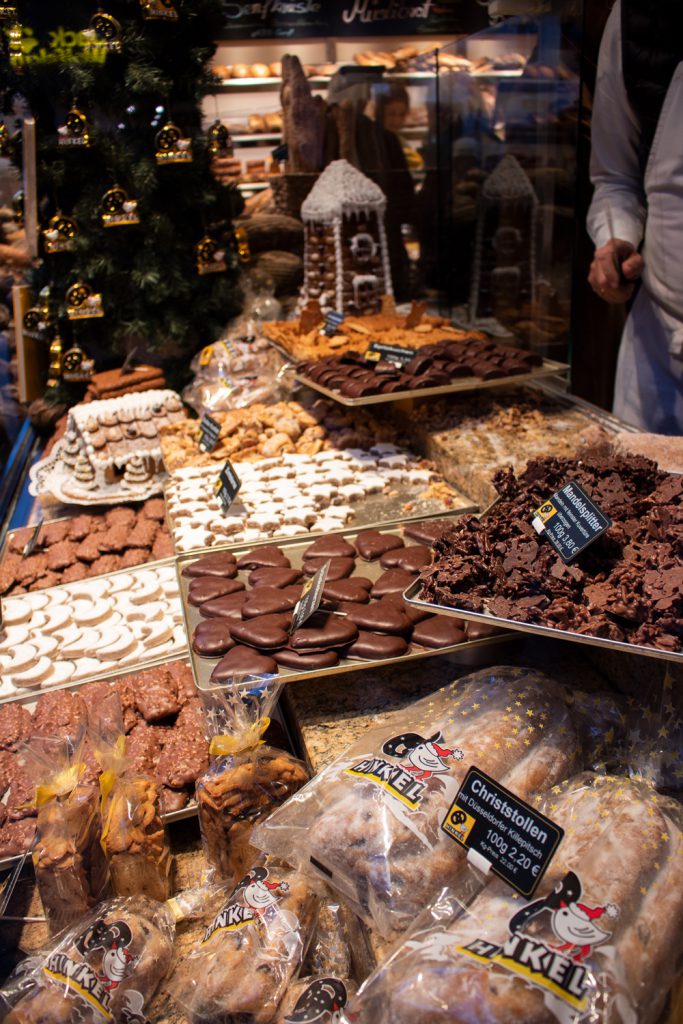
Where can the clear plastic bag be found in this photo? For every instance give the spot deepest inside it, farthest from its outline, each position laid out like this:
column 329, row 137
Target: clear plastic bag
column 246, row 778
column 70, row 868
column 599, row 941
column 316, row 999
column 133, row 834
column 370, row 823
column 106, row 967
column 251, row 949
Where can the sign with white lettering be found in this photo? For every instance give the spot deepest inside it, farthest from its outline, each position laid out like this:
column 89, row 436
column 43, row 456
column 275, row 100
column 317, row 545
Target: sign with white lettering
column 227, row 486
column 518, row 842
column 379, row 351
column 311, row 596
column 570, row 521
column 208, row 433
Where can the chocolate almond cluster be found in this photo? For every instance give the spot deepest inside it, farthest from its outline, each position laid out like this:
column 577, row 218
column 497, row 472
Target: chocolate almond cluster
column 627, row 586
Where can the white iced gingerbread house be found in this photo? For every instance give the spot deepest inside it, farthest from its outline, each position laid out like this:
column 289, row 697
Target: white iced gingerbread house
column 346, row 260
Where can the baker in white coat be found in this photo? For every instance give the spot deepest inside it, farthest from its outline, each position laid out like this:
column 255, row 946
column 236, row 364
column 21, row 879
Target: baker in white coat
column 638, row 205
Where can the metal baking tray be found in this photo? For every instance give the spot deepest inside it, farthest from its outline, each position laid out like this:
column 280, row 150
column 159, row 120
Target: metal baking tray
column 550, row 368
column 411, row 596
column 111, row 673
column 294, row 548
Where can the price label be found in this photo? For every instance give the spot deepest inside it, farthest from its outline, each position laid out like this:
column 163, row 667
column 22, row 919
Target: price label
column 311, row 596
column 570, row 521
column 227, row 486
column 208, row 433
column 332, row 322
column 395, row 354
column 518, row 842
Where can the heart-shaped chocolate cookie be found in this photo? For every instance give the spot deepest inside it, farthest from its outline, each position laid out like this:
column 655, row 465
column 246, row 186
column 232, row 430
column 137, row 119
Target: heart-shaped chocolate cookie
column 340, row 568
column 378, row 617
column 322, row 631
column 356, row 590
column 393, row 581
column 206, row 588
column 427, row 531
column 227, row 607
column 439, row 631
column 315, row 660
column 479, row 630
column 268, row 601
column 371, row 544
column 267, row 577
column 369, row 646
column 212, row 638
column 267, row 632
column 330, row 547
column 265, row 557
column 243, row 661
column 410, row 559
column 219, row 563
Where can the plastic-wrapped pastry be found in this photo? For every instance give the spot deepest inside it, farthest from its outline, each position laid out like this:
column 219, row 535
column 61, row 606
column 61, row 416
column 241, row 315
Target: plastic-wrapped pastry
column 315, row 1000
column 599, row 941
column 369, row 824
column 246, row 778
column 106, row 967
column 251, row 949
column 70, row 868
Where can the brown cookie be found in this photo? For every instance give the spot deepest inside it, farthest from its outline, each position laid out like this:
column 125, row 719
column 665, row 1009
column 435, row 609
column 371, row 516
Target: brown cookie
column 378, row 617
column 89, row 548
column 81, row 527
column 19, row 800
column 16, row 837
column 60, row 713
column 172, row 799
column 227, row 607
column 77, row 571
column 15, row 725
column 30, row 569
column 356, row 590
column 267, row 632
column 268, row 601
column 133, row 556
column 265, row 557
column 184, row 757
column 340, row 568
column 371, row 646
column 393, row 581
column 162, row 546
column 411, row 559
column 50, row 579
column 115, row 539
column 207, row 588
column 143, row 533
column 267, row 577
column 155, row 694
column 323, row 630
column 371, row 544
column 427, row 531
column 143, row 748
column 219, row 563
column 479, row 630
column 184, row 680
column 439, row 631
column 104, row 564
column 212, row 638
column 53, row 533
column 330, row 547
column 122, row 515
column 153, row 508
column 306, row 662
column 243, row 661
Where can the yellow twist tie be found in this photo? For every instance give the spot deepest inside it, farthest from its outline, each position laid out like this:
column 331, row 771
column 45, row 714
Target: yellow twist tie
column 63, row 783
column 222, row 745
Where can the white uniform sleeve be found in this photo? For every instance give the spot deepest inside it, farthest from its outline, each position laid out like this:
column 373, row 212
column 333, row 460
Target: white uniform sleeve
column 615, row 167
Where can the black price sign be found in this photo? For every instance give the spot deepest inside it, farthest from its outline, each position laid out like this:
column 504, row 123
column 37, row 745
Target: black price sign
column 332, row 322
column 208, row 433
column 570, row 521
column 395, row 354
column 518, row 842
column 227, row 486
column 311, row 596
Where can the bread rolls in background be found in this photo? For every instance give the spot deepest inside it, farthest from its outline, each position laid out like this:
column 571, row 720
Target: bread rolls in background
column 260, row 71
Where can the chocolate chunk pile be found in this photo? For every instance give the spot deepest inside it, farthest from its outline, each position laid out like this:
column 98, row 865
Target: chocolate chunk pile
column 435, row 365
column 88, row 545
column 247, row 603
column 166, row 739
column 627, row 586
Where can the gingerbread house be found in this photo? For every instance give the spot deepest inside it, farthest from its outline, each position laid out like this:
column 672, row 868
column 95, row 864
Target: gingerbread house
column 346, row 260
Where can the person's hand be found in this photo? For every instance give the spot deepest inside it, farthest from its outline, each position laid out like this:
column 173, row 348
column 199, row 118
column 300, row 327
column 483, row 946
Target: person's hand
column 226, row 169
column 604, row 275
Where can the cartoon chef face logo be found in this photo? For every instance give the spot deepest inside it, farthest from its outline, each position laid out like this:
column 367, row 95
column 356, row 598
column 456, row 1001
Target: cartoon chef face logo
column 114, row 941
column 257, row 892
column 323, row 1000
column 575, row 924
column 423, row 757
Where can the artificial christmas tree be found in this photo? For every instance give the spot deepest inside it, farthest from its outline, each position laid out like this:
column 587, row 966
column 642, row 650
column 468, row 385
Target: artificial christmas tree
column 122, row 218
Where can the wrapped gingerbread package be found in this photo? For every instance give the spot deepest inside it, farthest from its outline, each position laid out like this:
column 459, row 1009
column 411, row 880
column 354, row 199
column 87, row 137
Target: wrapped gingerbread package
column 251, row 950
column 370, row 823
column 133, row 835
column 70, row 868
column 599, row 942
column 106, row 967
column 246, row 778
column 315, row 1000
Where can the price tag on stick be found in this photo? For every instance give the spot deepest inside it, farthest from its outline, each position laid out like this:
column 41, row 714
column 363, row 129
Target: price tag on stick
column 512, row 836
column 395, row 354
column 311, row 596
column 570, row 521
column 227, row 486
column 208, row 433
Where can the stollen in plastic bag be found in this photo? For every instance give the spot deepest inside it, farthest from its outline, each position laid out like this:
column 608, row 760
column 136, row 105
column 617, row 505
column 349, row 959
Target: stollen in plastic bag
column 106, row 967
column 246, row 778
column 599, row 942
column 250, row 950
column 370, row 823
column 133, row 836
column 70, row 868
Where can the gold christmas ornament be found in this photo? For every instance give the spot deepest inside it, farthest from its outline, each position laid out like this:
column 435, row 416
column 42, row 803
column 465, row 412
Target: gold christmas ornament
column 76, row 366
column 107, row 30
column 15, row 51
column 172, row 148
column 55, row 368
column 82, row 303
column 117, row 209
column 243, row 250
column 37, row 318
column 8, row 12
column 59, row 234
column 218, row 139
column 5, row 140
column 210, row 256
column 75, row 131
column 158, row 9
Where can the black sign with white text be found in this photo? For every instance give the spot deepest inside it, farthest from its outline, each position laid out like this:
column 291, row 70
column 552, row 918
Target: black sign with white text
column 311, row 596
column 570, row 521
column 518, row 842
column 395, row 354
column 208, row 433
column 227, row 486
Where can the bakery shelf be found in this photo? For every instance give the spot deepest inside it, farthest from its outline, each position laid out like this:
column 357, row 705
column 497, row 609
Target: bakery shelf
column 202, row 667
column 252, row 186
column 263, row 84
column 257, row 138
column 550, row 368
column 411, row 596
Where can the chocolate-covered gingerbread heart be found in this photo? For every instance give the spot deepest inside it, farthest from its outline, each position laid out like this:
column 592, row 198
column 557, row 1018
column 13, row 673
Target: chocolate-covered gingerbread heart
column 267, row 632
column 479, row 630
column 323, row 630
column 243, row 661
column 378, row 617
column 393, row 581
column 219, row 563
column 370, row 646
column 411, row 559
column 267, row 577
column 212, row 638
column 356, row 590
column 427, row 531
column 268, row 601
column 265, row 557
column 330, row 547
column 439, row 631
column 371, row 544
column 340, row 568
column 206, row 588
column 227, row 607
column 308, row 661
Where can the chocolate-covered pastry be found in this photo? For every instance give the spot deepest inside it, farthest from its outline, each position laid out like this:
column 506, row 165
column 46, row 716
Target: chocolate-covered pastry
column 207, row 588
column 371, row 544
column 427, row 531
column 411, row 559
column 369, row 646
column 184, row 757
column 155, row 694
column 267, row 577
column 322, row 631
column 268, row 601
column 227, row 607
column 267, row 632
column 212, row 638
column 340, row 568
column 219, row 563
column 378, row 617
column 242, row 660
column 265, row 557
column 330, row 547
column 15, row 725
column 308, row 661
column 439, row 631
column 356, row 590
column 479, row 630
column 392, row 582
